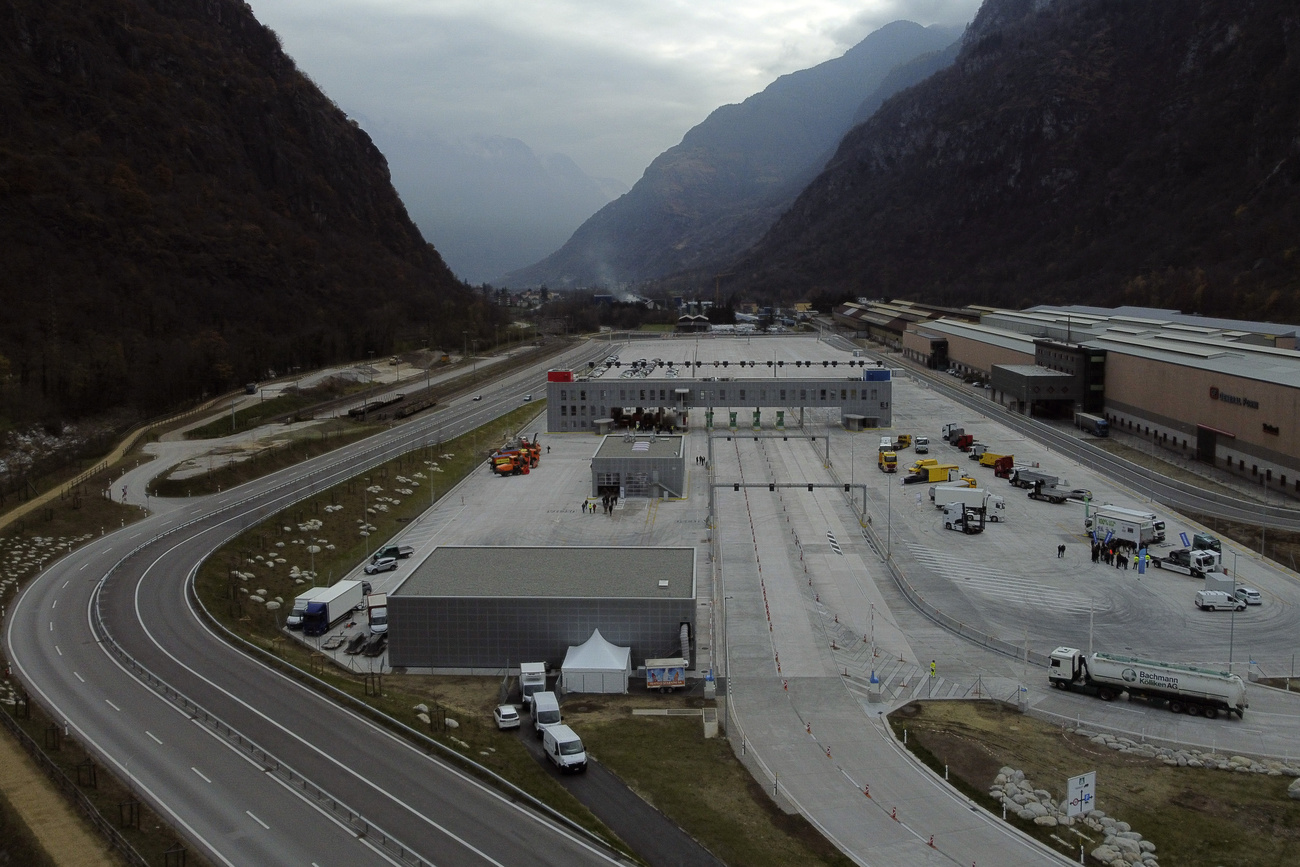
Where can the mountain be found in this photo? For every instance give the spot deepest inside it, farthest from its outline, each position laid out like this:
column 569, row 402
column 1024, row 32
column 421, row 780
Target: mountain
column 1082, row 151
column 181, row 210
column 491, row 204
column 714, row 194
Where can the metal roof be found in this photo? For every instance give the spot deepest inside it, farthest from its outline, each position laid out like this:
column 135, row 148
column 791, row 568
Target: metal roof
column 1248, row 361
column 984, row 334
column 1157, row 316
column 473, row 571
column 1032, row 370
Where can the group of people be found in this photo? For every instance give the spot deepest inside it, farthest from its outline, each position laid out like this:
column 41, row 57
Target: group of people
column 607, row 504
column 702, row 461
column 1113, row 556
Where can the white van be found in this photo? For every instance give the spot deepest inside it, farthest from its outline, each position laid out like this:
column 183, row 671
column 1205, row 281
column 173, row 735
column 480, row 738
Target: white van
column 1218, row 600
column 886, row 444
column 563, row 747
column 546, row 711
column 921, row 445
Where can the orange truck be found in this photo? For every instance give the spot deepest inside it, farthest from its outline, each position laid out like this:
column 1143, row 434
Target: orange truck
column 510, row 462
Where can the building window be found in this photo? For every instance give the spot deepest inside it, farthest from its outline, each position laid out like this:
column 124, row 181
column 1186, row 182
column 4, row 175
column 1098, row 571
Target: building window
column 803, row 394
column 823, row 391
column 783, row 395
column 722, row 394
column 563, row 395
column 583, row 395
column 564, row 410
column 742, row 394
column 844, row 394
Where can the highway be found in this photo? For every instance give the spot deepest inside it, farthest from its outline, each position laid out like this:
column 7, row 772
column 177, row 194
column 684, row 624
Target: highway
column 252, row 767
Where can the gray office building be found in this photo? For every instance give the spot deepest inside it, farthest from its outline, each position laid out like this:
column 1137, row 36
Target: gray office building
column 592, row 405
column 485, row 609
column 639, row 465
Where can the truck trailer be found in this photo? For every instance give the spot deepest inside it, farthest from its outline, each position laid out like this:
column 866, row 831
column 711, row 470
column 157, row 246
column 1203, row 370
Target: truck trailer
column 299, row 610
column 976, row 498
column 1187, row 561
column 932, row 473
column 1093, row 424
column 1026, row 477
column 1122, row 525
column 1185, row 688
column 665, row 674
column 1157, row 524
column 331, row 607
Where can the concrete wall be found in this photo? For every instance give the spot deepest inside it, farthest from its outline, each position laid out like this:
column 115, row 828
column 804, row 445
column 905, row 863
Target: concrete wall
column 494, row 633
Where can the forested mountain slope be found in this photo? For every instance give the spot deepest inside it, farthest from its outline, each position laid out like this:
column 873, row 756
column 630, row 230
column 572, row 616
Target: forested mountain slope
column 181, row 210
column 1087, row 151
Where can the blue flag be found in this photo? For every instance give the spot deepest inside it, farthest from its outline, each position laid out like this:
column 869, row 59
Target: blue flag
column 1142, row 561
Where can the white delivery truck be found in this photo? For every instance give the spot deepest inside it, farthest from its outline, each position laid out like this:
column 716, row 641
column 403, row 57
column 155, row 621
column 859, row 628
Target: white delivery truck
column 299, row 610
column 563, row 747
column 1218, row 600
column 377, row 608
column 532, row 678
column 1157, row 525
column 1185, row 687
column 921, row 445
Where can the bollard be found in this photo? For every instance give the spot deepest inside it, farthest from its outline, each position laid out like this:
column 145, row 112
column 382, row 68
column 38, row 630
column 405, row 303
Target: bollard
column 945, row 772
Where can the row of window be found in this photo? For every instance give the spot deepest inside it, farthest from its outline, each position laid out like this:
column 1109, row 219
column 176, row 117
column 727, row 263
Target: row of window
column 625, row 394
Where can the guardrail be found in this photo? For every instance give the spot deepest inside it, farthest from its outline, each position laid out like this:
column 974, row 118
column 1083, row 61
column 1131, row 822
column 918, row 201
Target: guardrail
column 116, row 841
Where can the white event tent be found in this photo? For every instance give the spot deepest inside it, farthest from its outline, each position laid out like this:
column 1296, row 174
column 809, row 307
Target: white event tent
column 596, row 666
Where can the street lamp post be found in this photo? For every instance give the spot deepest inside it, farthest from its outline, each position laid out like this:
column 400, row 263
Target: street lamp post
column 1232, row 617
column 365, row 513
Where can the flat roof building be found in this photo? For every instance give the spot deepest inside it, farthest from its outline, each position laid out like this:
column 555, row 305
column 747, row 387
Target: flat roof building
column 486, row 608
column 639, row 465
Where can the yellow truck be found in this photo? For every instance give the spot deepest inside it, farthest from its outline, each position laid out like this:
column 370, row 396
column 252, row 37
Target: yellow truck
column 924, row 462
column 988, row 459
column 932, row 473
column 888, row 462
column 903, row 441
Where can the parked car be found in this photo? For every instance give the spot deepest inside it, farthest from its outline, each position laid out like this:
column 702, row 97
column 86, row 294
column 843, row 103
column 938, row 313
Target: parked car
column 506, row 716
column 383, row 564
column 1080, row 494
column 1249, row 595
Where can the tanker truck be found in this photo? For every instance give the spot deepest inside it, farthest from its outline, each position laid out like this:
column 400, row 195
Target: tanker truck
column 1184, row 688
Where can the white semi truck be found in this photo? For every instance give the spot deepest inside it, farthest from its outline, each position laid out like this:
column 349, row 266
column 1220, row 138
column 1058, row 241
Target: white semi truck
column 299, row 610
column 1186, row 688
column 995, row 508
column 1189, row 562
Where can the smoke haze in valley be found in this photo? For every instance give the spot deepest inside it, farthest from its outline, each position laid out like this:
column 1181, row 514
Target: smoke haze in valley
column 564, row 102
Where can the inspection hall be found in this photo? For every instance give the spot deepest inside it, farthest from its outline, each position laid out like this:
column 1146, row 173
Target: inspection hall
column 479, row 609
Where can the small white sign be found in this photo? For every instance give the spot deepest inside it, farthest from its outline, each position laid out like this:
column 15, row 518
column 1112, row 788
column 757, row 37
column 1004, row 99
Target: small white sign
column 1081, row 794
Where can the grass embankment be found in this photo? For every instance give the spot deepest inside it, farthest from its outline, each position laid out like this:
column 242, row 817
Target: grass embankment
column 259, row 413
column 1196, row 817
column 697, row 782
column 18, row 844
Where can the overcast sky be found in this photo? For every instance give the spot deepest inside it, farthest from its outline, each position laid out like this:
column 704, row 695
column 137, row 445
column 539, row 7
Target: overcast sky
column 610, row 83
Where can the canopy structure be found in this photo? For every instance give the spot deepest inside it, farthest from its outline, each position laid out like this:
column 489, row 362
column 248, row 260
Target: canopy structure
column 596, row 666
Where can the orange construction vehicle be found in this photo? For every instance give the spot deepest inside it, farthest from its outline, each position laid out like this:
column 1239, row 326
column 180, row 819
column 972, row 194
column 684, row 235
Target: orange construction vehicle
column 510, row 462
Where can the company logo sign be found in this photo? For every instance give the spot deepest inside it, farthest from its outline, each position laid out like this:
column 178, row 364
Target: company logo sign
column 1215, row 394
column 1129, row 675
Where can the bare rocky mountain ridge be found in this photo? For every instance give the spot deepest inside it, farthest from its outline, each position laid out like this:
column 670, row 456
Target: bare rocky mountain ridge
column 713, row 195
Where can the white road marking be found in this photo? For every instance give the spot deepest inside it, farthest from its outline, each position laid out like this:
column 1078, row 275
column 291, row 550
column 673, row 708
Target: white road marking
column 54, row 604
column 135, row 535
column 56, row 650
column 79, row 677
column 986, row 582
column 83, row 566
column 113, row 706
column 51, row 626
column 66, row 583
column 257, row 820
column 200, row 773
column 154, row 737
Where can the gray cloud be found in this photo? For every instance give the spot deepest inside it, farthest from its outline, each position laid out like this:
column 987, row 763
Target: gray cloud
column 611, row 85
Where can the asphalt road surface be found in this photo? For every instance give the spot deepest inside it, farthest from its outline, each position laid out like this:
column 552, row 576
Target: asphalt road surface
column 252, row 767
